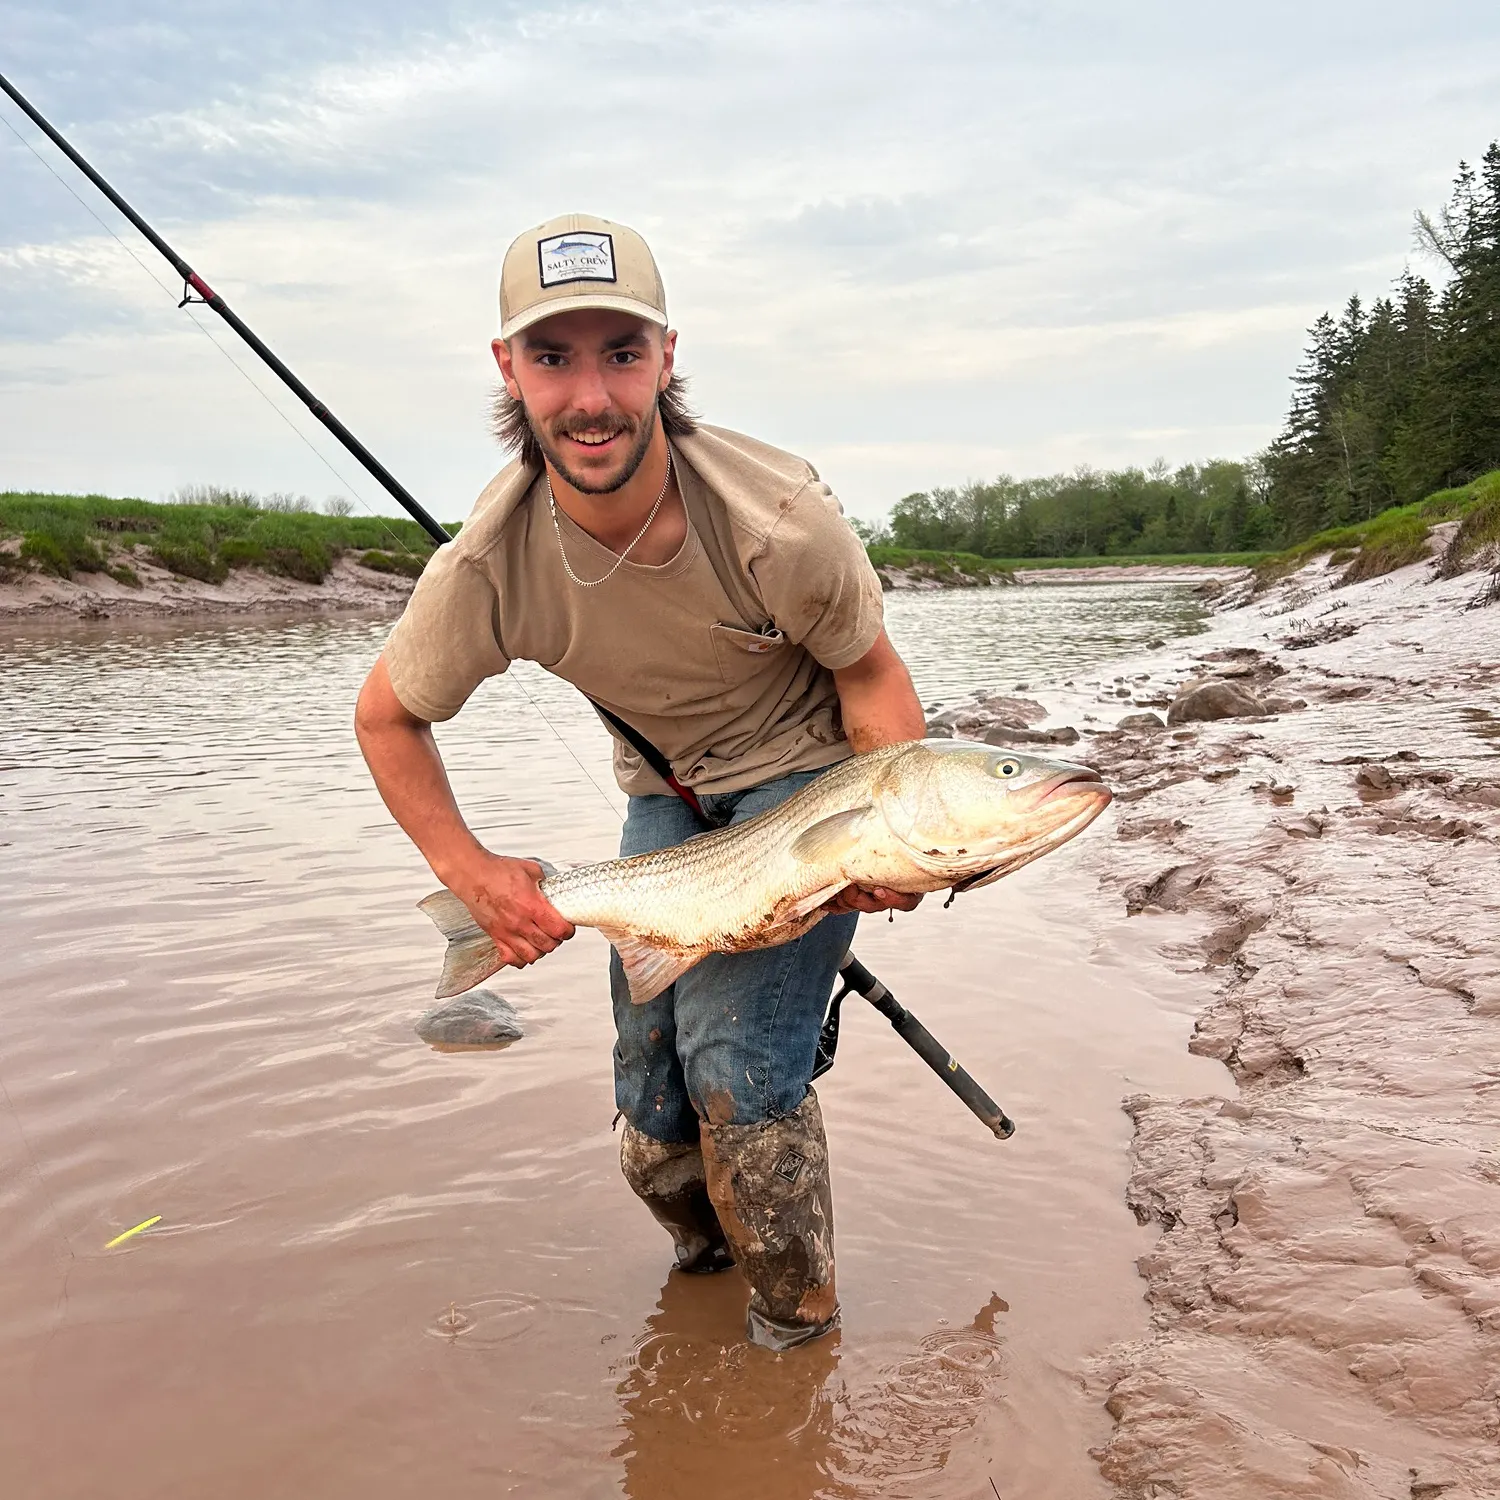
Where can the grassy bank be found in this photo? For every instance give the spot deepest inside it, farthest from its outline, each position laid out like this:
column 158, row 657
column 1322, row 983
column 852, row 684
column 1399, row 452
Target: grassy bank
column 965, row 567
column 1133, row 560
column 64, row 535
column 1392, row 538
column 939, row 567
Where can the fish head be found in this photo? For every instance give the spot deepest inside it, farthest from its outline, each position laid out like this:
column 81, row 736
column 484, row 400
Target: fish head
column 969, row 810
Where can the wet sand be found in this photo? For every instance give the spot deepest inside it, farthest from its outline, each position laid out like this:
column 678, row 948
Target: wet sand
column 1325, row 1298
column 211, row 972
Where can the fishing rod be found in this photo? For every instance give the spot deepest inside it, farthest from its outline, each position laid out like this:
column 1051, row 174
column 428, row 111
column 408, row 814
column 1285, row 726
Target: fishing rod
column 856, row 978
column 197, row 292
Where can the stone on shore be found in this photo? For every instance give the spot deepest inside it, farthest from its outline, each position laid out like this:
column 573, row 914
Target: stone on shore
column 480, row 1018
column 1215, row 700
column 1009, row 734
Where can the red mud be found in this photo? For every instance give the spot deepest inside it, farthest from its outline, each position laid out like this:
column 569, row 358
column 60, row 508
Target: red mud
column 1325, row 1297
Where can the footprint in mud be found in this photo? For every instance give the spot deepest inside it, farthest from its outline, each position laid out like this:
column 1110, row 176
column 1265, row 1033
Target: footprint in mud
column 703, row 1416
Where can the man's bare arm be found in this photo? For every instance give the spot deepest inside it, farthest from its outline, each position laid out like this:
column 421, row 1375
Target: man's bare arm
column 877, row 700
column 879, row 707
column 502, row 893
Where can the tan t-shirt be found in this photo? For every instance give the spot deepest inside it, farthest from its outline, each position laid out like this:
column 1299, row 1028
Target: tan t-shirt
column 722, row 658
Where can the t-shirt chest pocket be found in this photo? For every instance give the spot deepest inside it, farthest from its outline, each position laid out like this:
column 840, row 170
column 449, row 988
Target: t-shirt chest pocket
column 742, row 654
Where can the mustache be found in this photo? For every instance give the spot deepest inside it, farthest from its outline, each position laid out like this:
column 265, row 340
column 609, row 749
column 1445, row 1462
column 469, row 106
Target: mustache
column 607, row 424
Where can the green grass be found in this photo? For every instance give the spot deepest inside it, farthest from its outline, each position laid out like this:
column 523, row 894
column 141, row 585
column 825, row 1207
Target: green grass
column 1136, row 560
column 67, row 534
column 1478, row 527
column 958, row 567
column 943, row 566
column 1400, row 535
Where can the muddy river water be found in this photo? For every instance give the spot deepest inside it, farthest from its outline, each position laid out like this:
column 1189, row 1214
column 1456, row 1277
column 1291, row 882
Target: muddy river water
column 385, row 1271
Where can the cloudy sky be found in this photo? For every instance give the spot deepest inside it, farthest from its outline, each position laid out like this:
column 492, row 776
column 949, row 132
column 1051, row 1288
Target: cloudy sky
column 917, row 243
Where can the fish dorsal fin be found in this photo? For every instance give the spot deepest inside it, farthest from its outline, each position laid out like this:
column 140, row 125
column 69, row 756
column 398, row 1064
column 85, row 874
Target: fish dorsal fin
column 471, row 957
column 648, row 969
column 831, row 838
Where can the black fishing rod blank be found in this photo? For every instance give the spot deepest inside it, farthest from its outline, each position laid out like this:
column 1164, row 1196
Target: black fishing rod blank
column 858, row 980
column 197, row 291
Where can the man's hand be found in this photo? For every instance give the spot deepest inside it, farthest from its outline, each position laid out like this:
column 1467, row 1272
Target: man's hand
column 879, row 706
column 502, row 894
column 505, row 898
column 871, row 900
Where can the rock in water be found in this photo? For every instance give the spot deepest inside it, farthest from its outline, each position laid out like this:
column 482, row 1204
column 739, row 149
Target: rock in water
column 1146, row 722
column 478, row 1018
column 1215, row 700
column 1005, row 734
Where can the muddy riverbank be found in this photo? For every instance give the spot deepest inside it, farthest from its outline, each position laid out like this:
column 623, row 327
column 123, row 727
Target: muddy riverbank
column 1325, row 1295
column 350, row 587
column 160, row 594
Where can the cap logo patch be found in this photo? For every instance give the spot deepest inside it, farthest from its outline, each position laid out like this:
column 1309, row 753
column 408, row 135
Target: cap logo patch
column 576, row 256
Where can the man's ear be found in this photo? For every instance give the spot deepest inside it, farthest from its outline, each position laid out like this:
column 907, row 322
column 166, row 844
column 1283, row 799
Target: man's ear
column 668, row 356
column 503, row 358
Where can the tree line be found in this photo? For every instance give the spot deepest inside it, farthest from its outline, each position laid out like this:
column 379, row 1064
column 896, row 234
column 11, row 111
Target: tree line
column 1391, row 402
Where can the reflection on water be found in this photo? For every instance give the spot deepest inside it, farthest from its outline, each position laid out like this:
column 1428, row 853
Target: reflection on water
column 702, row 1418
column 956, row 640
column 387, row 1271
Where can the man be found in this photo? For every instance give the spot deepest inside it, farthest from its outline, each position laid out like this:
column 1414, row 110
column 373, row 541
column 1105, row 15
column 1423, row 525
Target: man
column 705, row 589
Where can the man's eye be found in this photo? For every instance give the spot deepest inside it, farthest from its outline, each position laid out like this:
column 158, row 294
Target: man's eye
column 625, row 356
column 549, row 361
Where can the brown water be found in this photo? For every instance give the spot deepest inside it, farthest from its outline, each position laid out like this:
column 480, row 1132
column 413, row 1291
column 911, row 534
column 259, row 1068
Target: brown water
column 384, row 1271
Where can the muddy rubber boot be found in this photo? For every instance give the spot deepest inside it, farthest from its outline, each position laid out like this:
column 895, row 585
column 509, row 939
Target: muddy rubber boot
column 769, row 1183
column 668, row 1178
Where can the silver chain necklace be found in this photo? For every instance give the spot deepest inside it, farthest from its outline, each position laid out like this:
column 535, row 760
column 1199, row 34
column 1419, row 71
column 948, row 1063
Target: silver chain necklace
column 562, row 552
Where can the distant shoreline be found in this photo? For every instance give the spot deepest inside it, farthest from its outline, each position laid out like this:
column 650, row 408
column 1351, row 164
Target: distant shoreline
column 92, row 557
column 351, row 588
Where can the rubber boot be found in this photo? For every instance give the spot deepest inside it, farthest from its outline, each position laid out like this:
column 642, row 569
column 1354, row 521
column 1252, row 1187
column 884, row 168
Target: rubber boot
column 668, row 1178
column 769, row 1183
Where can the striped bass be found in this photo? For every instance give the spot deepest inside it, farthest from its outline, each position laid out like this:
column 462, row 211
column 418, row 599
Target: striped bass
column 924, row 815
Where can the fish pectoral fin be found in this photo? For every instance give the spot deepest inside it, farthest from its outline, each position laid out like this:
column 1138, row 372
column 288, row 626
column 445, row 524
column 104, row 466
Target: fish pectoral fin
column 804, row 907
column 471, row 957
column 979, row 878
column 832, row 838
column 648, row 969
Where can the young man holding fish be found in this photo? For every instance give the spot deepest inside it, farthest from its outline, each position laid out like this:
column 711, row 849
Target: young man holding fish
column 704, row 588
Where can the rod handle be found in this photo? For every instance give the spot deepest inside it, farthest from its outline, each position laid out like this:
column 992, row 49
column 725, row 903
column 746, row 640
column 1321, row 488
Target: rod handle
column 937, row 1057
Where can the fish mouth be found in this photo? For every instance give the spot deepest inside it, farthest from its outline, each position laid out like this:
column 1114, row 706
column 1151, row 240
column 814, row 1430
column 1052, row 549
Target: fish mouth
column 1070, row 782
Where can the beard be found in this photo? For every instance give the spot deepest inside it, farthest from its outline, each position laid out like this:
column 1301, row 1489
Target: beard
column 609, row 424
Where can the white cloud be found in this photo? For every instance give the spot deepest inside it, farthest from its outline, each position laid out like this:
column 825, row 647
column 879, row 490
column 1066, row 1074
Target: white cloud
column 917, row 244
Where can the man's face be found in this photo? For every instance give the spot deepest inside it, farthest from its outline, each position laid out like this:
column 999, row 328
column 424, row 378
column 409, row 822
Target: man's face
column 589, row 381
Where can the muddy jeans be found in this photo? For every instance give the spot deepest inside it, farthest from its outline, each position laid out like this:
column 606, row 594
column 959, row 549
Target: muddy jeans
column 738, row 1033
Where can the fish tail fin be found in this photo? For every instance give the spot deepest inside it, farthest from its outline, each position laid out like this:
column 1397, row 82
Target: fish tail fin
column 471, row 957
column 649, row 970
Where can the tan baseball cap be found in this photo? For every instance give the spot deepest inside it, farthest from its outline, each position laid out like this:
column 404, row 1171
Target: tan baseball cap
column 578, row 261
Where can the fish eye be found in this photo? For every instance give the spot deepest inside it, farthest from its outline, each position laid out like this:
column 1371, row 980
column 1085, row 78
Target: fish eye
column 1007, row 768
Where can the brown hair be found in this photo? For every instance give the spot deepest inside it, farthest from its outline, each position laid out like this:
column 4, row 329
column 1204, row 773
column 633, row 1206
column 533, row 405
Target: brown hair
column 512, row 427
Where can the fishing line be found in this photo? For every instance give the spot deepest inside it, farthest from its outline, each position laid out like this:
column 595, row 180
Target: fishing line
column 208, row 334
column 296, row 430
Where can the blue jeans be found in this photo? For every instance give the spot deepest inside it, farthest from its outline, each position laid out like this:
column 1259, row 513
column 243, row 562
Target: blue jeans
column 734, row 1041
